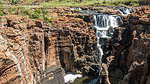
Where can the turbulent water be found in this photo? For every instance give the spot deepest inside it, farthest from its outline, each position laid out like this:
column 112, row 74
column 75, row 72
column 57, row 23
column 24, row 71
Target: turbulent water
column 69, row 78
column 104, row 24
column 124, row 11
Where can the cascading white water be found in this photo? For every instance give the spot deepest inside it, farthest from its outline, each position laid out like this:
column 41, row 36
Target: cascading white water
column 77, row 8
column 124, row 11
column 104, row 24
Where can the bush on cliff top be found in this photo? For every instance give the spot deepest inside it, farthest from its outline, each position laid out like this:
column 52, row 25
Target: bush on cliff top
column 1, row 13
column 26, row 11
column 38, row 11
column 34, row 15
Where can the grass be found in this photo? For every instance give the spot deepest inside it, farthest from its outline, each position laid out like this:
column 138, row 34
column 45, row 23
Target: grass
column 1, row 13
column 69, row 3
column 30, row 1
column 47, row 17
column 136, row 4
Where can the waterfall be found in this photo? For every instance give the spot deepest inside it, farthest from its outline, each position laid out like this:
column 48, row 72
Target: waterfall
column 77, row 8
column 124, row 11
column 104, row 24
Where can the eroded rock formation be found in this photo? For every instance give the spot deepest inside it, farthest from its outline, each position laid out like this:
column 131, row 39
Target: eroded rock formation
column 76, row 44
column 28, row 48
column 129, row 51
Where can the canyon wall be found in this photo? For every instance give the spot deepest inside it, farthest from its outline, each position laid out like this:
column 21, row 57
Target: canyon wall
column 76, row 42
column 23, row 54
column 32, row 51
column 126, row 55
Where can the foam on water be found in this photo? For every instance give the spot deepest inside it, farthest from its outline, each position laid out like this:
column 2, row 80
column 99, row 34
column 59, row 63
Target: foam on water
column 69, row 78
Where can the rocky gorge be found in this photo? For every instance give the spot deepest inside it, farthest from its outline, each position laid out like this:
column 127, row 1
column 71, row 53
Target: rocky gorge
column 33, row 52
column 29, row 47
column 126, row 55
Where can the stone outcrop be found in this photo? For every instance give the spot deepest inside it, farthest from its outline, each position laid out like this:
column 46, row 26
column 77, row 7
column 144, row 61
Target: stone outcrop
column 76, row 44
column 129, row 48
column 28, row 48
column 32, row 51
column 24, row 51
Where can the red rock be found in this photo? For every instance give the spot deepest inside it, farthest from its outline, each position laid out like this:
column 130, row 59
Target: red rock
column 38, row 23
column 32, row 48
column 144, row 20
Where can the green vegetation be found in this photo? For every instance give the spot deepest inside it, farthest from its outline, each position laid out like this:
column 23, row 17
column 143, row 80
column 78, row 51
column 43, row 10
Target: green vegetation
column 14, row 1
column 118, row 3
column 75, row 3
column 30, row 1
column 65, row 3
column 1, row 13
column 47, row 19
column 136, row 4
column 116, row 76
column 34, row 15
column 26, row 11
column 31, row 13
column 13, row 10
column 69, row 3
column 84, row 79
column 40, row 13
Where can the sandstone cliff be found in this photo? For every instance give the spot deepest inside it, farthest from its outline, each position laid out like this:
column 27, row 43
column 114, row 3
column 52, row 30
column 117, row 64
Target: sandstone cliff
column 28, row 48
column 126, row 55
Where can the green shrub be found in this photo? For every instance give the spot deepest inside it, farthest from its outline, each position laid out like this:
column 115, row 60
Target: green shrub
column 82, row 80
column 135, row 4
column 38, row 11
column 122, row 5
column 14, row 1
column 1, row 13
column 116, row 3
column 47, row 19
column 34, row 15
column 26, row 11
column 101, row 8
column 29, row 1
column 12, row 10
column 128, row 2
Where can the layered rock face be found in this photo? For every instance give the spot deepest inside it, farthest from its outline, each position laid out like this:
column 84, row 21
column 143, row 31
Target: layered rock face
column 76, row 43
column 126, row 55
column 29, row 48
column 23, row 53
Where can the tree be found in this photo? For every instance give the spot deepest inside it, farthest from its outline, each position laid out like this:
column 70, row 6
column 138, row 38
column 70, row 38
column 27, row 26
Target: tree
column 111, row 1
column 13, row 1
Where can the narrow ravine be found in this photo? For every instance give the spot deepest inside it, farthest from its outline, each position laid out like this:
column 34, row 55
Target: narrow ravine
column 104, row 25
